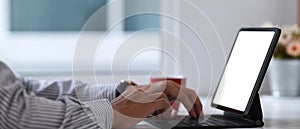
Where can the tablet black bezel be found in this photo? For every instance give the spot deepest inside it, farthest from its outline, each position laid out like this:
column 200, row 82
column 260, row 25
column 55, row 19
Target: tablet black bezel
column 262, row 72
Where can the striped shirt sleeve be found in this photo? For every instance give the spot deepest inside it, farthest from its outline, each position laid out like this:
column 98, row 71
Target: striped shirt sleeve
column 32, row 107
column 77, row 89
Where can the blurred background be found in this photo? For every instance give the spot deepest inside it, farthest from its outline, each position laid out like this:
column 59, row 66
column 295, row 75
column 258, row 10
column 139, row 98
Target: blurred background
column 38, row 38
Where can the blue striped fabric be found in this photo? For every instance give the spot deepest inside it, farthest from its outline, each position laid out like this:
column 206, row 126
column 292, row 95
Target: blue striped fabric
column 30, row 103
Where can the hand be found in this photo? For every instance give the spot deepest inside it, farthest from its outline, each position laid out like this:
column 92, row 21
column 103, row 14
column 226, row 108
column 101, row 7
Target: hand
column 133, row 106
column 185, row 95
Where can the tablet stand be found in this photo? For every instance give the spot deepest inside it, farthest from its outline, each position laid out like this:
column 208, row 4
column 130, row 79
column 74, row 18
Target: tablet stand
column 255, row 112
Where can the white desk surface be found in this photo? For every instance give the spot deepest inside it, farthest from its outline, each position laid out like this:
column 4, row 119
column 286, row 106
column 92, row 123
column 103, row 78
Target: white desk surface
column 279, row 113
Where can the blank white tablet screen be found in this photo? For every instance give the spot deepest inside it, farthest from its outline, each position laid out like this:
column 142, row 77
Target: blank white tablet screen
column 243, row 68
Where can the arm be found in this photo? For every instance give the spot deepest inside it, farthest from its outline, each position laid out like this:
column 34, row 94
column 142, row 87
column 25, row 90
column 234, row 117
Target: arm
column 22, row 109
column 56, row 89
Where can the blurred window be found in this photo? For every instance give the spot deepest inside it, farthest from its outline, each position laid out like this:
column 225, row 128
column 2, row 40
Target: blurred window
column 54, row 15
column 46, row 31
column 71, row 15
column 141, row 21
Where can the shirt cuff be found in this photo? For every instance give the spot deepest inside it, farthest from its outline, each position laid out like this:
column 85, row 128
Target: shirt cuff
column 103, row 112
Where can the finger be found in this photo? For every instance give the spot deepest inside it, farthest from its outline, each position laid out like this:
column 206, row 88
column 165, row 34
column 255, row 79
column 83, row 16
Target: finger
column 188, row 105
column 188, row 100
column 159, row 96
column 162, row 105
column 173, row 89
column 166, row 113
column 182, row 97
column 195, row 100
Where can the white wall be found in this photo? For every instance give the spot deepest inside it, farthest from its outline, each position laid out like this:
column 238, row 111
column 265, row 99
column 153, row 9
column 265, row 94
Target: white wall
column 228, row 16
